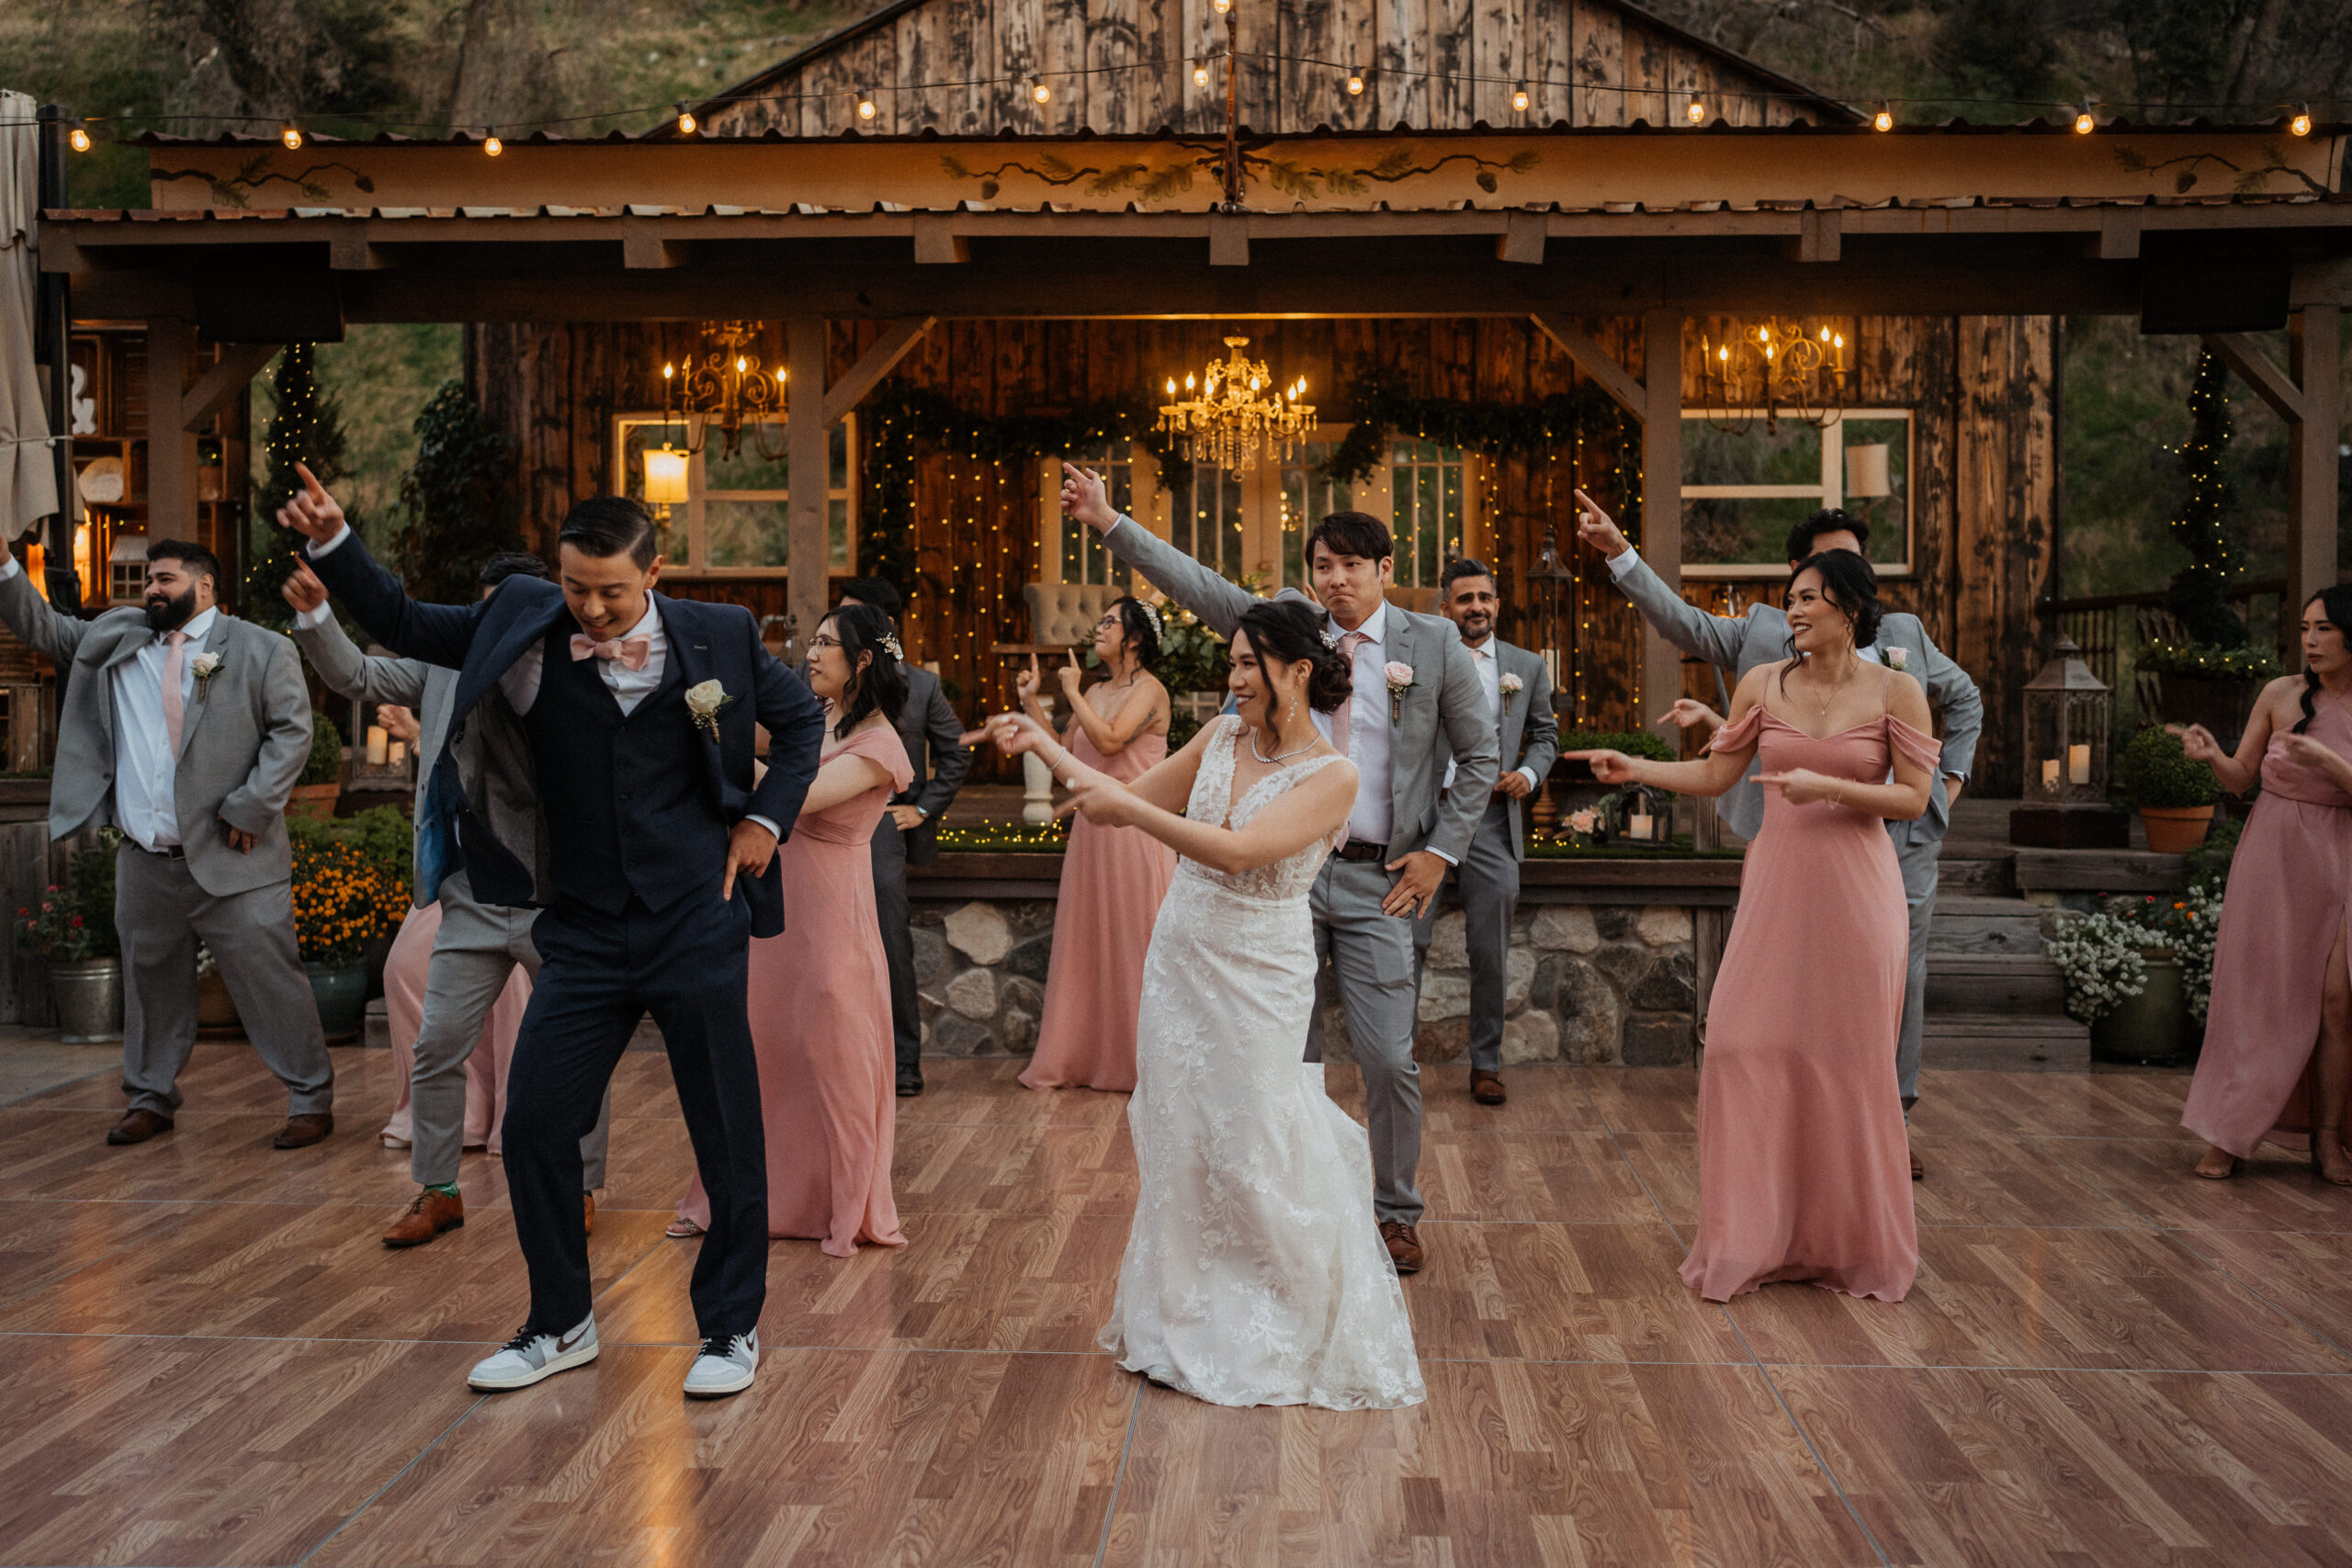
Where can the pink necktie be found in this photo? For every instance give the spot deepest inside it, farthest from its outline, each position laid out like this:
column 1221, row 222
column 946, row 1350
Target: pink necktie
column 632, row 653
column 175, row 705
column 1349, row 643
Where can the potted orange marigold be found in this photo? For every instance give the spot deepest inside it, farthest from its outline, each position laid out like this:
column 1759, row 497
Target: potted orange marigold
column 344, row 900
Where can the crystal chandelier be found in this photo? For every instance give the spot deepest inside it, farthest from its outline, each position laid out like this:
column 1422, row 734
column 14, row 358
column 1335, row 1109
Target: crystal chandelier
column 722, row 384
column 1777, row 367
column 1233, row 418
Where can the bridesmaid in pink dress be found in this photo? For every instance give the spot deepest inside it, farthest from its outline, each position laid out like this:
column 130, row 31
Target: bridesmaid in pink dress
column 1113, row 878
column 2277, row 1056
column 1803, row 1169
column 405, row 968
column 821, row 993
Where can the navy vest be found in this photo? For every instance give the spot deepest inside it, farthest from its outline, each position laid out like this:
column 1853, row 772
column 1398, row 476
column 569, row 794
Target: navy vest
column 627, row 797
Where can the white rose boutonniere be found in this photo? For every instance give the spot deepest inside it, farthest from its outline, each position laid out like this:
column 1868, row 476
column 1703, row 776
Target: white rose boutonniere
column 1510, row 686
column 704, row 701
column 1399, row 677
column 1898, row 659
column 207, row 665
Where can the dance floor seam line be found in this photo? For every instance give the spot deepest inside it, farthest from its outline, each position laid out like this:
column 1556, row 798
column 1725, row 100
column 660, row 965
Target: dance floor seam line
column 393, row 1480
column 2179, row 1237
column 1819, row 1459
column 62, row 1084
column 1111, row 1507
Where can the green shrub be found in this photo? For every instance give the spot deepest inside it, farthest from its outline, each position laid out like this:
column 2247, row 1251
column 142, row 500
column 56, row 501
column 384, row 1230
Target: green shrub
column 2155, row 771
column 1632, row 742
column 2203, row 660
column 325, row 766
column 75, row 919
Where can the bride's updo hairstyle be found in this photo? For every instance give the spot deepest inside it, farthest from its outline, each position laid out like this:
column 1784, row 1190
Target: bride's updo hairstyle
column 881, row 686
column 1286, row 631
column 1847, row 581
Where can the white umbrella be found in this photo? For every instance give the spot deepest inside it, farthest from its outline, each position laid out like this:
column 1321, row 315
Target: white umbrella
column 27, row 472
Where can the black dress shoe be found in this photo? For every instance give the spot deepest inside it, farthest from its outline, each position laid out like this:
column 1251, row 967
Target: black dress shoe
column 910, row 1082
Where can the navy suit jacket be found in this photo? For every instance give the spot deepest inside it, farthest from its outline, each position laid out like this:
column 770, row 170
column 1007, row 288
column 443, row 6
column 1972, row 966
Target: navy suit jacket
column 482, row 641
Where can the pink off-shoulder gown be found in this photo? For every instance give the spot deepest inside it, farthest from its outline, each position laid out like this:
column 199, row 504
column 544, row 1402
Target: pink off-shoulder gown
column 1112, row 882
column 2290, row 889
column 405, row 970
column 821, row 1028
column 1803, row 1169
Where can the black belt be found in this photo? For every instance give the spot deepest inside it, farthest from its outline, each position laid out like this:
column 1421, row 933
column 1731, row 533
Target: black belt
column 1357, row 850
column 177, row 851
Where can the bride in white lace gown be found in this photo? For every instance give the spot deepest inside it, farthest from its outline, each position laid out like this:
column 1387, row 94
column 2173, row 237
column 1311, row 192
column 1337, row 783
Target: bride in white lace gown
column 1254, row 1273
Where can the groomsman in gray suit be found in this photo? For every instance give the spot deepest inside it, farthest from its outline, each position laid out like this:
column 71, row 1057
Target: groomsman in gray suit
column 478, row 946
column 1407, row 826
column 186, row 728
column 1761, row 637
column 909, row 831
column 1518, row 691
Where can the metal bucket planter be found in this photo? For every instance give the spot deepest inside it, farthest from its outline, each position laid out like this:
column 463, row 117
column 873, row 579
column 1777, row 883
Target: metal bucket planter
column 89, row 1000
column 2153, row 1029
column 342, row 996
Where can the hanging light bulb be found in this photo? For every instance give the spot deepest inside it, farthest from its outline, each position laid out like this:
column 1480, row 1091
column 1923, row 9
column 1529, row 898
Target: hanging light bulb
column 864, row 105
column 1519, row 99
column 1200, row 75
column 1698, row 112
column 2084, row 123
column 1040, row 92
column 685, row 119
column 80, row 139
column 1885, row 118
column 1355, row 82
column 2301, row 124
column 491, row 143
column 1223, row 6
column 291, row 134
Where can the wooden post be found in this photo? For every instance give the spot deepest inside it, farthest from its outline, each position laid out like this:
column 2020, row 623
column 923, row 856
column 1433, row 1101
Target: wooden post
column 806, row 440
column 2313, row 356
column 171, row 448
column 1661, row 496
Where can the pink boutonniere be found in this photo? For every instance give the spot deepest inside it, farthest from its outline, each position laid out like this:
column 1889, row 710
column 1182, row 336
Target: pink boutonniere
column 1399, row 677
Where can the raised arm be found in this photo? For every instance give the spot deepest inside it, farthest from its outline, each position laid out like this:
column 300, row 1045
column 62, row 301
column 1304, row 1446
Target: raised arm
column 437, row 634
column 1715, row 638
column 1217, row 603
column 346, row 671
column 38, row 624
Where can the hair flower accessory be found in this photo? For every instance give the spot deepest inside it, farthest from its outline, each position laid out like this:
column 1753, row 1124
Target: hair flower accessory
column 1150, row 614
column 207, row 665
column 1399, row 676
column 890, row 646
column 704, row 702
column 1330, row 637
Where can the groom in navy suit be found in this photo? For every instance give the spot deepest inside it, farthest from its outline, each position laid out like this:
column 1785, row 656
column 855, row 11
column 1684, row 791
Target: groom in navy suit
column 638, row 709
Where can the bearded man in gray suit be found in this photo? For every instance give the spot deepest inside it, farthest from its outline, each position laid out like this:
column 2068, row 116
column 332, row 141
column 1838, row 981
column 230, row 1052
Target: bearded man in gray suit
column 186, row 728
column 1518, row 691
column 1416, row 702
column 1761, row 637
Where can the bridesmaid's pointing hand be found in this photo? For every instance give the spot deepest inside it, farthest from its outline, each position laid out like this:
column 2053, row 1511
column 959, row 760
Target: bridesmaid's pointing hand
column 2198, row 742
column 1608, row 767
column 1801, row 787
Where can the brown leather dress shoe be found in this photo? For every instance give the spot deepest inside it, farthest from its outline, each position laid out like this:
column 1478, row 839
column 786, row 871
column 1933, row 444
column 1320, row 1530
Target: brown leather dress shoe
column 1487, row 1087
column 1404, row 1247
column 301, row 1131
column 137, row 1127
column 428, row 1216
column 1918, row 1171
column 588, row 1202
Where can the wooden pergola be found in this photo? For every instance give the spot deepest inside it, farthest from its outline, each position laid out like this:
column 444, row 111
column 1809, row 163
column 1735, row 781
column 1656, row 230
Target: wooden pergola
column 2215, row 230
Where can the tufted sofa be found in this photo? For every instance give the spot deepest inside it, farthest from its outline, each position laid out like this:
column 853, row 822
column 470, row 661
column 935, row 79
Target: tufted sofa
column 1063, row 614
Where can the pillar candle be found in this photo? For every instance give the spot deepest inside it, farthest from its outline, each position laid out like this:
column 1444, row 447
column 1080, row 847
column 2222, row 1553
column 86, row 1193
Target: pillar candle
column 397, row 755
column 2078, row 765
column 2050, row 773
column 1639, row 825
column 376, row 742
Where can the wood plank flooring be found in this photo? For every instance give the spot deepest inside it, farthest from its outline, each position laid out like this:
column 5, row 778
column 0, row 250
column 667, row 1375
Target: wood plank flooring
column 206, row 1356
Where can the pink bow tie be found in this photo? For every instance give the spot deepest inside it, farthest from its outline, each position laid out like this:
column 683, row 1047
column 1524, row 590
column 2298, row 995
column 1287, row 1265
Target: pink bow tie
column 632, row 652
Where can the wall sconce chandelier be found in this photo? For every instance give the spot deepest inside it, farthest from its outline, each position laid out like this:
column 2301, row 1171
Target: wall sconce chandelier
column 721, row 385
column 1774, row 368
column 1228, row 417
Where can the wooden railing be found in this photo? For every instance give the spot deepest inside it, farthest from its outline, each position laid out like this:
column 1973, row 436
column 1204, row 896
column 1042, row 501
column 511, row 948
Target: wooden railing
column 2111, row 627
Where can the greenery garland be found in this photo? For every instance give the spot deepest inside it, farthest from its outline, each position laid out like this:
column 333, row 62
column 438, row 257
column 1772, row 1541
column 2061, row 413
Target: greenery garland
column 1381, row 410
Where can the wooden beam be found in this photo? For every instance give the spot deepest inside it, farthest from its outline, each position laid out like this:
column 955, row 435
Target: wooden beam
column 650, row 253
column 937, row 244
column 1521, row 241
column 2315, row 358
column 2272, row 384
column 807, row 446
column 1661, row 496
column 876, row 363
column 2119, row 234
column 171, row 450
column 350, row 250
column 1821, row 234
column 239, row 363
column 1229, row 242
column 1594, row 361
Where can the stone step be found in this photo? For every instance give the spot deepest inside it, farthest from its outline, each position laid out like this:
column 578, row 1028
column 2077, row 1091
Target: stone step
column 1988, row 877
column 1969, row 924
column 1979, row 983
column 2005, row 1043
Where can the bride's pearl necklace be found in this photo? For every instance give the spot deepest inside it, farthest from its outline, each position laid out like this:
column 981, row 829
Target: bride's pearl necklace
column 1279, row 755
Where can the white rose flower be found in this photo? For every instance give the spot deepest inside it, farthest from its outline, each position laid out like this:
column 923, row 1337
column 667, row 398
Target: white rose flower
column 704, row 701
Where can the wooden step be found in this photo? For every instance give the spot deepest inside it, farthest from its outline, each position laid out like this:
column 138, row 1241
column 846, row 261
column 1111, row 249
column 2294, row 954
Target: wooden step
column 1967, row 924
column 1994, row 982
column 1987, row 877
column 2012, row 1042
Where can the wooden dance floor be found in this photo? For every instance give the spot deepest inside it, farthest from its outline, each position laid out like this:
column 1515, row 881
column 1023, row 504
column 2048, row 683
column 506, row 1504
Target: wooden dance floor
column 206, row 1357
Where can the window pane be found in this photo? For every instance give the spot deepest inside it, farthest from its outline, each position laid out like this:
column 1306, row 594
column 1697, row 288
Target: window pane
column 750, row 469
column 837, row 455
column 1788, row 455
column 837, row 532
column 1308, row 497
column 745, row 532
column 1742, row 533
column 1426, row 484
column 1083, row 557
column 1207, row 520
column 1888, row 516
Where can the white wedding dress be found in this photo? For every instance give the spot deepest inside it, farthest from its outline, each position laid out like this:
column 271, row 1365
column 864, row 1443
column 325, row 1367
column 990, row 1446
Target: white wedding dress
column 1255, row 1273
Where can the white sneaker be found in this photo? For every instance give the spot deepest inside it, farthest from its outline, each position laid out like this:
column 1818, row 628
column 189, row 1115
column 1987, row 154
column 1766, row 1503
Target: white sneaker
column 530, row 1356
column 725, row 1366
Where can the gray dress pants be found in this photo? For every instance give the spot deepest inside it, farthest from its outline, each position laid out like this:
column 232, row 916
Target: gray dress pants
column 898, row 942
column 474, row 954
column 1370, row 956
column 1919, row 859
column 1486, row 882
column 161, row 914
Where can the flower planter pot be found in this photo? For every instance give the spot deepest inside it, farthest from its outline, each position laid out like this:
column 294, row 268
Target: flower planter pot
column 2220, row 705
column 342, row 996
column 316, row 801
column 89, row 1000
column 2153, row 1028
column 216, row 1010
column 2176, row 829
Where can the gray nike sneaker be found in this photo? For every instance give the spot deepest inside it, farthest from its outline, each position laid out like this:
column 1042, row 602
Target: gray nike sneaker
column 725, row 1366
column 527, row 1357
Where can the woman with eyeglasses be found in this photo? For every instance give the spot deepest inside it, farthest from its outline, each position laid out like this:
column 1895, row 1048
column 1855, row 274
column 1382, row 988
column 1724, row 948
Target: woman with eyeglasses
column 821, row 993
column 1113, row 878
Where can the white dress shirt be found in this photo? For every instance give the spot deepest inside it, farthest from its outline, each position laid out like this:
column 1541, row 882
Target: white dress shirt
column 1376, row 813
column 1490, row 678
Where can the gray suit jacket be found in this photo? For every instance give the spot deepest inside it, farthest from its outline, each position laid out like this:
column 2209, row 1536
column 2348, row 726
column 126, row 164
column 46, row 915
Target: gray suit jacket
column 1761, row 637
column 930, row 730
column 1531, row 728
column 245, row 741
column 1443, row 714
column 494, row 762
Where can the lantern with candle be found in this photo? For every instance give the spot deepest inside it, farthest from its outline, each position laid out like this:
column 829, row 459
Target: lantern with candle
column 2068, row 711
